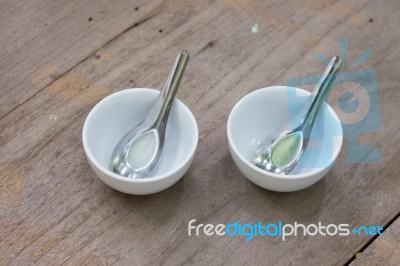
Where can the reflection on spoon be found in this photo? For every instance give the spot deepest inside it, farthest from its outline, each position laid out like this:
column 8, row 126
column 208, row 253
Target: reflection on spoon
column 287, row 149
column 143, row 149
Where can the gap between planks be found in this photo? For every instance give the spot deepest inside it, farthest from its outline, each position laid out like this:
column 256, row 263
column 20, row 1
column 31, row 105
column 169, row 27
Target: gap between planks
column 373, row 239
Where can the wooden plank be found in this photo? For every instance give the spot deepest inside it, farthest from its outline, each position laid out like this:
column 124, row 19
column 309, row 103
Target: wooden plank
column 56, row 211
column 41, row 40
column 384, row 250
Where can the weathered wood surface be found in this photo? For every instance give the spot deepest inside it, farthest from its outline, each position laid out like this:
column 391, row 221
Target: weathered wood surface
column 53, row 208
column 43, row 39
column 384, row 250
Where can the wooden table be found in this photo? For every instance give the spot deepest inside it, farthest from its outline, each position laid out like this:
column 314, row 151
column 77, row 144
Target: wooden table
column 59, row 58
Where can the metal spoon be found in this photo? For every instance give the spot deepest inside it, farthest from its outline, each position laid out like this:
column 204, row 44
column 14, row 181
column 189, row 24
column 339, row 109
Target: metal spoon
column 281, row 151
column 137, row 153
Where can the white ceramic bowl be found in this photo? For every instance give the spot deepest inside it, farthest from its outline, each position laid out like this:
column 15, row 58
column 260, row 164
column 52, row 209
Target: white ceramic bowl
column 114, row 116
column 264, row 110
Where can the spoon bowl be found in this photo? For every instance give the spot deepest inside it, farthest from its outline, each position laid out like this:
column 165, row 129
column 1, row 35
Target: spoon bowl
column 281, row 151
column 113, row 116
column 263, row 111
column 138, row 152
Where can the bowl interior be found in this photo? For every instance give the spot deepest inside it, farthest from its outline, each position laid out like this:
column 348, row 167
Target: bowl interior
column 265, row 110
column 115, row 115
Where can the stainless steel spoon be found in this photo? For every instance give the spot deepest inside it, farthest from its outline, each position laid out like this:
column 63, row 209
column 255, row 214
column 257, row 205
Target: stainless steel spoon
column 137, row 153
column 281, row 151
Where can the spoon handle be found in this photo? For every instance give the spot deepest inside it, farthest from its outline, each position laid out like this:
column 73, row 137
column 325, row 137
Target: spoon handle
column 321, row 92
column 160, row 111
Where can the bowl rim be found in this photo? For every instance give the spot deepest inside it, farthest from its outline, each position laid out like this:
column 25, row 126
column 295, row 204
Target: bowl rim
column 108, row 172
column 313, row 172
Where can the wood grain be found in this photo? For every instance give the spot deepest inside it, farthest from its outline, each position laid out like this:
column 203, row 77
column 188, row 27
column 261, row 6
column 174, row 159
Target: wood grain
column 58, row 212
column 42, row 39
column 384, row 250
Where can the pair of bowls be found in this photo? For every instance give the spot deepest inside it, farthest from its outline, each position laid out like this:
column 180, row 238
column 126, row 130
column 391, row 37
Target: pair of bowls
column 251, row 118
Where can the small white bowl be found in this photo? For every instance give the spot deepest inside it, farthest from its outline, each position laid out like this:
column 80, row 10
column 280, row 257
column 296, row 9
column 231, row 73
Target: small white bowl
column 265, row 110
column 114, row 116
